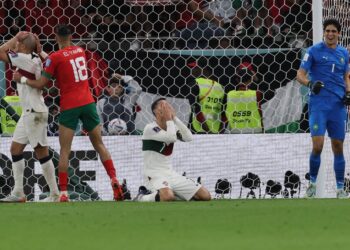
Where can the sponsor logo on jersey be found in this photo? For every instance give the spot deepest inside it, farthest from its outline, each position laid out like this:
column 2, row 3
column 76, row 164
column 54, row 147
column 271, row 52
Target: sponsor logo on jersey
column 315, row 127
column 156, row 129
column 342, row 61
column 306, row 57
column 47, row 62
column 165, row 183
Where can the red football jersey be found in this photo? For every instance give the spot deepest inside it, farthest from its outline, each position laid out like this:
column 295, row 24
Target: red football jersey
column 68, row 67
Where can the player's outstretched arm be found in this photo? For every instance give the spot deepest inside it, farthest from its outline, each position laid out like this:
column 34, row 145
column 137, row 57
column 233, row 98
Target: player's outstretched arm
column 39, row 83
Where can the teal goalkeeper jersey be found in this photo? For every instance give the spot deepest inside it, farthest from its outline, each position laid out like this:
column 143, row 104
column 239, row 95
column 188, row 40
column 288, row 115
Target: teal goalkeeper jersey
column 329, row 66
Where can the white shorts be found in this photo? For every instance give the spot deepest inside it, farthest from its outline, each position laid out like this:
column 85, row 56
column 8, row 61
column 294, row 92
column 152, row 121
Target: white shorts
column 32, row 129
column 184, row 188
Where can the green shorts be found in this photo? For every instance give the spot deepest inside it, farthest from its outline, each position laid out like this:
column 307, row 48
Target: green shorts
column 87, row 114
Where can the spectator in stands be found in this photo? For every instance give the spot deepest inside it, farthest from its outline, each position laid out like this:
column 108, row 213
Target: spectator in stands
column 289, row 21
column 3, row 14
column 53, row 105
column 243, row 104
column 197, row 24
column 287, row 15
column 73, row 12
column 52, row 128
column 97, row 70
column 202, row 20
column 251, row 13
column 206, row 99
column 13, row 13
column 122, row 93
column 43, row 16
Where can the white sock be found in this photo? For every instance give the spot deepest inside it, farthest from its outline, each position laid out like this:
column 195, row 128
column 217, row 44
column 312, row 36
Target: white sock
column 18, row 172
column 49, row 174
column 148, row 197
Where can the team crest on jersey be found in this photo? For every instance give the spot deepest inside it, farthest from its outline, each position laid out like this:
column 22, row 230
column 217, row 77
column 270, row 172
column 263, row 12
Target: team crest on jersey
column 156, row 129
column 47, row 62
column 315, row 127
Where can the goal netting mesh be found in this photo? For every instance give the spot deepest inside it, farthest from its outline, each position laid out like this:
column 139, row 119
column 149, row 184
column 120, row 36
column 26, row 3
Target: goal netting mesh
column 155, row 47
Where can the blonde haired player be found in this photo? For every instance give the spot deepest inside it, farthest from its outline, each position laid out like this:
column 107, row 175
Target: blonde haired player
column 32, row 125
column 157, row 146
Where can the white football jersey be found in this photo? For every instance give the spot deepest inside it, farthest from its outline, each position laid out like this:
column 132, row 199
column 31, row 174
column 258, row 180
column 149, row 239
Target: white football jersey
column 30, row 66
column 158, row 146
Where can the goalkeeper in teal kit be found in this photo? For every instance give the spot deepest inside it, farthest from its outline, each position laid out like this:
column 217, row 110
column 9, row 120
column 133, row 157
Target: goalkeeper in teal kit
column 324, row 69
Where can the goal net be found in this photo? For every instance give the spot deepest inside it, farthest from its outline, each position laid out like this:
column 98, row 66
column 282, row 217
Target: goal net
column 251, row 50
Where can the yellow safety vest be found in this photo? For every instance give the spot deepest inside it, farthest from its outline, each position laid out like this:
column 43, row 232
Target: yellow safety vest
column 8, row 125
column 211, row 95
column 242, row 112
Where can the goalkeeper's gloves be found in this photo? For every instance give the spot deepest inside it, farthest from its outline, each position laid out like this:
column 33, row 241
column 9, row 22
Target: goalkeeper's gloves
column 346, row 98
column 315, row 87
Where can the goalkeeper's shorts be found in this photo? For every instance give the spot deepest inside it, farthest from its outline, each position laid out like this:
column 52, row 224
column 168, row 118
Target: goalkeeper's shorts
column 333, row 121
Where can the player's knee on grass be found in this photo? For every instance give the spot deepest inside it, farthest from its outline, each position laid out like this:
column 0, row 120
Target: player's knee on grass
column 202, row 195
column 166, row 194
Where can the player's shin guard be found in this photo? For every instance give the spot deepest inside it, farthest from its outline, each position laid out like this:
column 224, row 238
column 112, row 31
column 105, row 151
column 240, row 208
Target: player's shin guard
column 49, row 174
column 18, row 172
column 339, row 169
column 63, row 181
column 109, row 166
column 315, row 162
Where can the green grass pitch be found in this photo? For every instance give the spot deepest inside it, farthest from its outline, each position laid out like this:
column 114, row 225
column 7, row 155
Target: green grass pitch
column 226, row 224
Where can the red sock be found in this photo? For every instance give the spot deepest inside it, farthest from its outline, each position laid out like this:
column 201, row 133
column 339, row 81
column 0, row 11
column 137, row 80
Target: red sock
column 63, row 180
column 109, row 166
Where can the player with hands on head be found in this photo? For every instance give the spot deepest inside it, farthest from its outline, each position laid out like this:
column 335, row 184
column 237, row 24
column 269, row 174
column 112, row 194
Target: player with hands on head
column 324, row 69
column 157, row 145
column 68, row 67
column 32, row 125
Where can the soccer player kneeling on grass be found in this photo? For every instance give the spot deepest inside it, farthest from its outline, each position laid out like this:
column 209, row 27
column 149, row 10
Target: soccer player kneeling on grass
column 157, row 146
